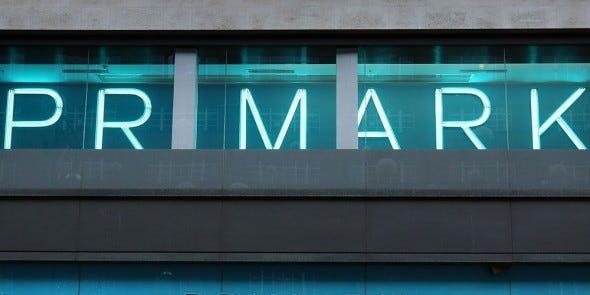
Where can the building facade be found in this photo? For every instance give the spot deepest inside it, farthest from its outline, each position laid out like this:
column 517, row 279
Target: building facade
column 294, row 147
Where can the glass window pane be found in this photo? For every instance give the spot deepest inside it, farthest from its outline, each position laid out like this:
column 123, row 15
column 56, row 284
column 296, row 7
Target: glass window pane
column 267, row 98
column 211, row 78
column 130, row 93
column 432, row 97
column 43, row 96
column 548, row 104
column 50, row 96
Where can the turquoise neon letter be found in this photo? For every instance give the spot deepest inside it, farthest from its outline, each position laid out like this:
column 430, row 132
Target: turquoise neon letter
column 465, row 125
column 300, row 99
column 371, row 95
column 10, row 123
column 555, row 117
column 124, row 125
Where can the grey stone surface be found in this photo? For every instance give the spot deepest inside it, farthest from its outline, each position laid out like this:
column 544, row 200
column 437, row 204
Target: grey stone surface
column 291, row 15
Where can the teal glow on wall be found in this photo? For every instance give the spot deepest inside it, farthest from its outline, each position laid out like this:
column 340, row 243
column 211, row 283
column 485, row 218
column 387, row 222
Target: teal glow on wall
column 482, row 116
column 300, row 116
column 39, row 120
column 412, row 97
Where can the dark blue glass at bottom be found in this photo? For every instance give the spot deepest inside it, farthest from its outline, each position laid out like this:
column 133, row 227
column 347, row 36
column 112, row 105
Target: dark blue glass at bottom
column 290, row 279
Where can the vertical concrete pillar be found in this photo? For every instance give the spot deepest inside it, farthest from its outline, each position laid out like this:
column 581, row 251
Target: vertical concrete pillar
column 184, row 108
column 346, row 98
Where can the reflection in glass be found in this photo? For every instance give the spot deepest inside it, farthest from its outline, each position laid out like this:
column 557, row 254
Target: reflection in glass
column 536, row 95
column 404, row 83
column 267, row 98
column 64, row 84
column 43, row 96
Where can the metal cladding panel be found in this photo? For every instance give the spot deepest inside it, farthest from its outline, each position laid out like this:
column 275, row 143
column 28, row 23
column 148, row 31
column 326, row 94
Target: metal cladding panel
column 550, row 172
column 150, row 226
column 293, row 226
column 438, row 173
column 291, row 172
column 344, row 230
column 39, row 225
column 438, row 227
column 119, row 171
column 394, row 173
column 551, row 226
column 39, row 170
column 347, row 206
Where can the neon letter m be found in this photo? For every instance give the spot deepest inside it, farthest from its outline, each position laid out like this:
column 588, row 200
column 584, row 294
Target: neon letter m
column 246, row 100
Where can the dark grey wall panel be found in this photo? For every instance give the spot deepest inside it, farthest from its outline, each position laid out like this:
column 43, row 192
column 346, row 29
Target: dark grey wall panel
column 192, row 173
column 324, row 171
column 551, row 227
column 150, row 225
column 38, row 225
column 438, row 227
column 437, row 173
column 293, row 226
column 295, row 229
column 550, row 172
column 147, row 170
column 41, row 170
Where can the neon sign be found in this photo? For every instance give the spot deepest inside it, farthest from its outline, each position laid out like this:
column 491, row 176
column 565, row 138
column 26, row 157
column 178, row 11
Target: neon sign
column 554, row 117
column 101, row 124
column 371, row 95
column 11, row 123
column 300, row 99
column 558, row 117
column 465, row 125
column 123, row 125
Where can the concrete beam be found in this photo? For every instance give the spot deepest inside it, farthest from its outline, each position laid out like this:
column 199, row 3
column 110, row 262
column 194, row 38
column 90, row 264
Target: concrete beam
column 346, row 99
column 184, row 105
column 291, row 15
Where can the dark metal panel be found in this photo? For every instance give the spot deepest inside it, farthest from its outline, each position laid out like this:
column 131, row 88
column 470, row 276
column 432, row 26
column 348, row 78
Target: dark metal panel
column 295, row 229
column 38, row 225
column 551, row 226
column 437, row 173
column 33, row 170
column 438, row 227
column 293, row 226
column 150, row 225
column 291, row 171
column 168, row 170
column 296, row 257
column 550, row 172
column 295, row 37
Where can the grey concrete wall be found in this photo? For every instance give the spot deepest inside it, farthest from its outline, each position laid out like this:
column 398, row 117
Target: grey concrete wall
column 291, row 15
